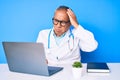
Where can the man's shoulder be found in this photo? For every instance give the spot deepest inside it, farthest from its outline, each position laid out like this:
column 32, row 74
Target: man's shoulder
column 45, row 30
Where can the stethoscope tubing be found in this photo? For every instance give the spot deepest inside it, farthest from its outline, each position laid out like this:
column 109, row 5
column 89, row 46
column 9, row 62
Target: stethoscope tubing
column 71, row 43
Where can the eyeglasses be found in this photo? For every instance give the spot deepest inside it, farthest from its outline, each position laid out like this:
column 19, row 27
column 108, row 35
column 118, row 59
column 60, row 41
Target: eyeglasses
column 62, row 23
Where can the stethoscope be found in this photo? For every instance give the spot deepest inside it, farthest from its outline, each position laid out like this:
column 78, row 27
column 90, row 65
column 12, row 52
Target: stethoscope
column 70, row 41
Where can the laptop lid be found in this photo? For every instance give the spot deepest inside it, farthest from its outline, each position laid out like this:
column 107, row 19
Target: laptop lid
column 27, row 57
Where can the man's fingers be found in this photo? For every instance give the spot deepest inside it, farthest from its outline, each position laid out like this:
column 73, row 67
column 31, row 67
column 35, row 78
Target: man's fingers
column 72, row 17
column 70, row 12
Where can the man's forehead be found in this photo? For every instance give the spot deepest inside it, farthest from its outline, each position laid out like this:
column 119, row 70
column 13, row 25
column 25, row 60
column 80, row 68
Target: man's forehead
column 61, row 10
column 61, row 13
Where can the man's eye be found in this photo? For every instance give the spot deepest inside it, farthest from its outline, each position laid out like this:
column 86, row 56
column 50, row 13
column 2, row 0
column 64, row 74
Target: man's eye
column 63, row 22
column 57, row 20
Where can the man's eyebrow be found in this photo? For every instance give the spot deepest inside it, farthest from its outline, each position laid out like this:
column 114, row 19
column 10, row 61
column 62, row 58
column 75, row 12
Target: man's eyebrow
column 62, row 20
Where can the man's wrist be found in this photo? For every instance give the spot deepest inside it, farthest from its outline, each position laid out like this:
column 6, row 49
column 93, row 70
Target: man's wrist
column 76, row 26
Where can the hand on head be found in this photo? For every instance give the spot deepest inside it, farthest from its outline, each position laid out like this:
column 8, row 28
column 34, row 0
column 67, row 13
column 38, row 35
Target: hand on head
column 72, row 18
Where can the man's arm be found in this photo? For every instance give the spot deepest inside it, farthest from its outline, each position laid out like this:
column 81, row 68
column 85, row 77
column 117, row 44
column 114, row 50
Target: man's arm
column 87, row 41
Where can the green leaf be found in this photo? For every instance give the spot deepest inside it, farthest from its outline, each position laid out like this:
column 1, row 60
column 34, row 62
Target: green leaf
column 77, row 64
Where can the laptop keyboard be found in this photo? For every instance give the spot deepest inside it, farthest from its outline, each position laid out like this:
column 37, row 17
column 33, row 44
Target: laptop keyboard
column 53, row 70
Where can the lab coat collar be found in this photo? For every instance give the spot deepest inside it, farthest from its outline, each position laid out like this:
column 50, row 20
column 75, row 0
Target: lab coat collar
column 52, row 39
column 65, row 38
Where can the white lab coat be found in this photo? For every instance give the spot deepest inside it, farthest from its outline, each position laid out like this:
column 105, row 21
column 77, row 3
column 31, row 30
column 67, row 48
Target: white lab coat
column 63, row 53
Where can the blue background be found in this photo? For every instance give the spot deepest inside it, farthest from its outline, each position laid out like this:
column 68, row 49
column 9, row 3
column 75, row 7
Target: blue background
column 21, row 20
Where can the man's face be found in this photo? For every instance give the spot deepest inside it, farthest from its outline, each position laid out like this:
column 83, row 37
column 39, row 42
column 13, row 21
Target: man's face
column 61, row 22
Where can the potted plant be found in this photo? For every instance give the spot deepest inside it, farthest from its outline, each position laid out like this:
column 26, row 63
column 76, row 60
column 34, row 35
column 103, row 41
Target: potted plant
column 77, row 69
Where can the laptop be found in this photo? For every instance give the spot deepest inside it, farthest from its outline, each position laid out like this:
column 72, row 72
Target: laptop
column 28, row 57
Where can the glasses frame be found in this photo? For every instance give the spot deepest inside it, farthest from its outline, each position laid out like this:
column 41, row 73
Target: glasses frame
column 62, row 23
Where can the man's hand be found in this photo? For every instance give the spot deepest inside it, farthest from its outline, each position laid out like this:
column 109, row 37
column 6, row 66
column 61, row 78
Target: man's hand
column 72, row 18
column 46, row 61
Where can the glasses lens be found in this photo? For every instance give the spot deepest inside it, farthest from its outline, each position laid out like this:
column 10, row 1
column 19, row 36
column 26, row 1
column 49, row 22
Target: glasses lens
column 63, row 23
column 55, row 21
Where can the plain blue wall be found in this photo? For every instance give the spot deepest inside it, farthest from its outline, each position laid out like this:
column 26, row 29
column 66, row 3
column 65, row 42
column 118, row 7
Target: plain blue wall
column 21, row 20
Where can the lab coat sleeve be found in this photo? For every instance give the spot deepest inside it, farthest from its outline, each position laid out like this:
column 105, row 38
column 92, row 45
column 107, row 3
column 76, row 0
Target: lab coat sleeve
column 39, row 39
column 86, row 38
column 43, row 37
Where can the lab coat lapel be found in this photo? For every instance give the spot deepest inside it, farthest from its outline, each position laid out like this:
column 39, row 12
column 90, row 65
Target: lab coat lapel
column 52, row 40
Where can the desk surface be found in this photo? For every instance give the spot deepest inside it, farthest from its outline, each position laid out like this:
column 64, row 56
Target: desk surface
column 65, row 74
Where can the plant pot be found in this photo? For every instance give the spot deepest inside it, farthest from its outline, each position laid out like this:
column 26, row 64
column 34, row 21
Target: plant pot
column 77, row 72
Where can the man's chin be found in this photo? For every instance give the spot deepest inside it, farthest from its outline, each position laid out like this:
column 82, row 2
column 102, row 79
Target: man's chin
column 58, row 34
